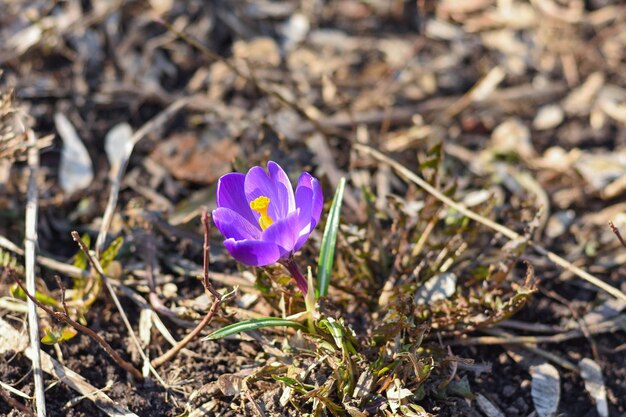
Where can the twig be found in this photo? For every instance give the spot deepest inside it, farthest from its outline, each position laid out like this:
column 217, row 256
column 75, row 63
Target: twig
column 563, row 263
column 86, row 330
column 615, row 230
column 62, row 287
column 11, row 339
column 30, row 247
column 98, row 268
column 75, row 272
column 604, row 327
column 206, row 258
column 564, row 363
column 218, row 298
column 167, row 356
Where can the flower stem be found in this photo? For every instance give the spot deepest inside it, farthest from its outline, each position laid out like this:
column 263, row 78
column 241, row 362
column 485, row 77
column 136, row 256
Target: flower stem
column 293, row 269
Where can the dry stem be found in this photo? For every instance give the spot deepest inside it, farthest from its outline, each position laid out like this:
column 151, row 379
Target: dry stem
column 79, row 327
column 30, row 247
column 563, row 263
column 98, row 268
column 615, row 230
column 167, row 356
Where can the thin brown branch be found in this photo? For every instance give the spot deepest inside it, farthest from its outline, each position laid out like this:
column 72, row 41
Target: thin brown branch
column 62, row 288
column 617, row 233
column 207, row 255
column 167, row 356
column 79, row 327
column 98, row 268
column 608, row 326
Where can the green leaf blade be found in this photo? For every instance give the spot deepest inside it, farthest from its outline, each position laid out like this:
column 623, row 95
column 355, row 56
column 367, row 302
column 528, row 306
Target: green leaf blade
column 248, row 325
column 329, row 240
column 111, row 252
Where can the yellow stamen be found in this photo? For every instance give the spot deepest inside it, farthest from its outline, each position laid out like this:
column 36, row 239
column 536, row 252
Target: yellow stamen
column 260, row 205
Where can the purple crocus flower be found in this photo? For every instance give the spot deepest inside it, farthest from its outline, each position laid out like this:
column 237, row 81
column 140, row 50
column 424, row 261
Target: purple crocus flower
column 262, row 219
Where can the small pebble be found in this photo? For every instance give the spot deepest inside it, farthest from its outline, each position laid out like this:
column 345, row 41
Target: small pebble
column 509, row 390
column 548, row 117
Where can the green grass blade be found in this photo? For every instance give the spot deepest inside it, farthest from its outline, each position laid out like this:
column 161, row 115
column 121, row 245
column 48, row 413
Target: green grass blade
column 327, row 253
column 247, row 325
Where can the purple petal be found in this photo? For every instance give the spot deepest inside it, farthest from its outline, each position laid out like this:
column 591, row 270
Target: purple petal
column 284, row 189
column 253, row 252
column 309, row 203
column 231, row 194
column 274, row 185
column 233, row 225
column 283, row 233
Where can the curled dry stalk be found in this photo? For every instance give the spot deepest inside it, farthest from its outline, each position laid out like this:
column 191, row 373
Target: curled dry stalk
column 65, row 318
column 217, row 300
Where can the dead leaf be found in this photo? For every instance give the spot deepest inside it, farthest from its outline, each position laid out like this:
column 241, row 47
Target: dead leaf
column 230, row 384
column 76, row 168
column 187, row 158
column 591, row 373
column 545, row 389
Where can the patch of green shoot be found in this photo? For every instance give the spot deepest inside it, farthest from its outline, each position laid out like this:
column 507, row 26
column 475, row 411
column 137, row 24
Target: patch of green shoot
column 54, row 336
column 329, row 240
column 248, row 325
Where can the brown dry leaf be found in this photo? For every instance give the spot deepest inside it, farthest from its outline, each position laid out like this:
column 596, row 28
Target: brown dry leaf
column 230, row 384
column 187, row 158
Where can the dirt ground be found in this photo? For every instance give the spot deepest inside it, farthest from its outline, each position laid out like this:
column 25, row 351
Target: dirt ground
column 514, row 109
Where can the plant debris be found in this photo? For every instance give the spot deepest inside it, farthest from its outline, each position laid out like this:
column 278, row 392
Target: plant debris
column 465, row 266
